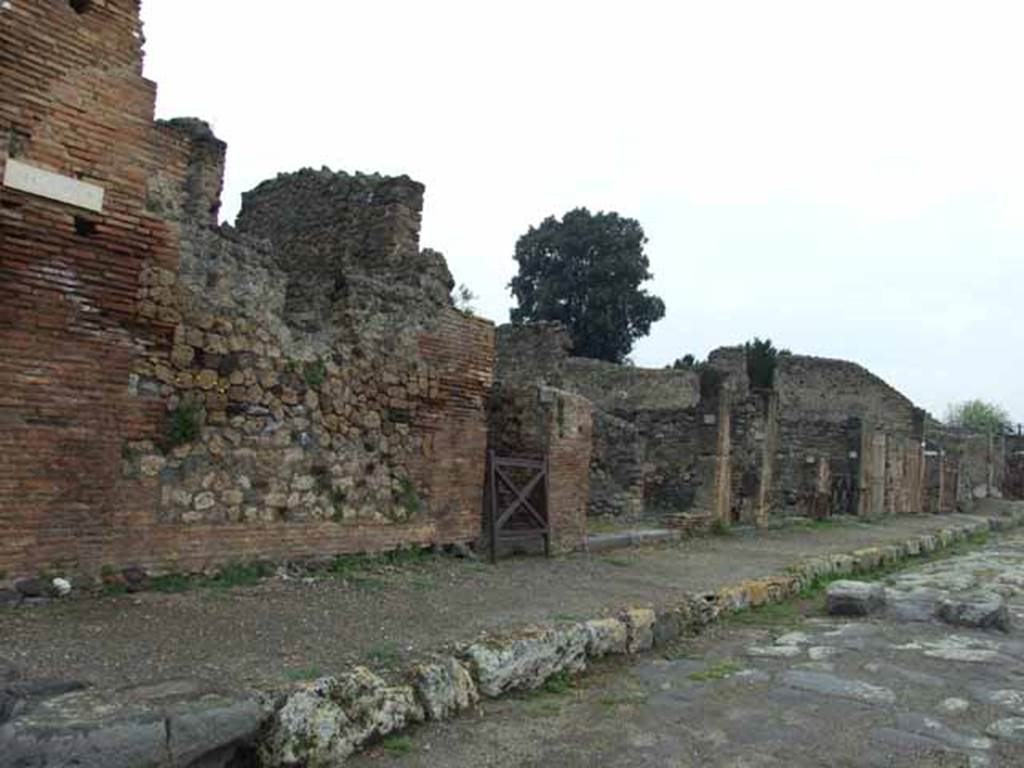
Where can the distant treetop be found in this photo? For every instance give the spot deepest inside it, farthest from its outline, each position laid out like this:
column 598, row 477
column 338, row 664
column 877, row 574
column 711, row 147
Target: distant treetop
column 979, row 416
column 585, row 271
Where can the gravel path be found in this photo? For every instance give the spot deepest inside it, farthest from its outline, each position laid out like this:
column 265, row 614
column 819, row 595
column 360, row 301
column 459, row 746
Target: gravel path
column 285, row 630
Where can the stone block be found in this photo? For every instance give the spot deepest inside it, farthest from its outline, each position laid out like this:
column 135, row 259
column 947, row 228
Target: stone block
column 527, row 660
column 640, row 626
column 985, row 610
column 854, row 598
column 606, row 636
column 444, row 688
column 326, row 722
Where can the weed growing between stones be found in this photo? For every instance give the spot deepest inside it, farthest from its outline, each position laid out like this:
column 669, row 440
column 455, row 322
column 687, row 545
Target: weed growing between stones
column 228, row 577
column 718, row 671
column 183, row 425
column 314, row 373
column 301, row 674
column 775, row 614
column 348, row 566
column 559, row 683
column 720, row 528
column 618, row 562
column 407, row 497
column 397, row 745
column 386, row 654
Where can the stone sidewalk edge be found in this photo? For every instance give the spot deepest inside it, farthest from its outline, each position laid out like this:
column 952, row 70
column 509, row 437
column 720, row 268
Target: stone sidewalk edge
column 327, row 721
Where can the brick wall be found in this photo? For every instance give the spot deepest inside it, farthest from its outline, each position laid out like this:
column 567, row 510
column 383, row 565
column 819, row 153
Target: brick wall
column 363, row 430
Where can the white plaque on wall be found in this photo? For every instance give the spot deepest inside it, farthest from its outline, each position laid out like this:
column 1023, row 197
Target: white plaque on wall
column 53, row 186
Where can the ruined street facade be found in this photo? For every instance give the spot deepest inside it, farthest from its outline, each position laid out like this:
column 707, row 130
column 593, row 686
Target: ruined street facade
column 176, row 394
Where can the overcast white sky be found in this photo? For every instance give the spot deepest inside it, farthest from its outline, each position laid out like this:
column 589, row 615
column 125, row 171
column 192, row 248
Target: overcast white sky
column 846, row 178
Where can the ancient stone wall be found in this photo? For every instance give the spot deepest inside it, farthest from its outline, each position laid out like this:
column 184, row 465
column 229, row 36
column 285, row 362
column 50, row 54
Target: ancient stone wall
column 829, row 438
column 754, row 441
column 647, row 450
column 532, row 353
column 981, row 462
column 1013, row 485
column 172, row 396
column 537, row 422
column 822, row 389
column 628, row 389
column 846, row 441
column 617, row 470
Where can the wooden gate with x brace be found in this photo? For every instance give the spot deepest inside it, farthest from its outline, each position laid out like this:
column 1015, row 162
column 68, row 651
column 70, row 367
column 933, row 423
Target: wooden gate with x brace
column 517, row 491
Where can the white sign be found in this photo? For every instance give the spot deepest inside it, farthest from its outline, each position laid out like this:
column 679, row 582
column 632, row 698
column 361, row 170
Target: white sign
column 53, row 186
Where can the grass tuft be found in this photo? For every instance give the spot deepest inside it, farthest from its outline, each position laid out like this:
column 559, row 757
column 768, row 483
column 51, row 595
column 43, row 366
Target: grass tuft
column 717, row 671
column 303, row 673
column 397, row 745
column 386, row 654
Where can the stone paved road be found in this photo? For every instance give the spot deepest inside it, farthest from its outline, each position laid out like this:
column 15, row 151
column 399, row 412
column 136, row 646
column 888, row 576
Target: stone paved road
column 780, row 688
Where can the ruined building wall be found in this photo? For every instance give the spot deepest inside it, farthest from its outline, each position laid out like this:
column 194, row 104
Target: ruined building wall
column 847, row 443
column 617, row 470
column 1013, row 485
column 829, row 438
column 834, row 390
column 981, row 462
column 540, row 422
column 349, row 419
column 654, row 443
column 532, row 353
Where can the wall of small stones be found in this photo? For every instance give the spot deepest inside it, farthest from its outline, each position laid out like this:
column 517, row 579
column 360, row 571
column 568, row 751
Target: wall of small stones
column 352, row 409
column 617, row 469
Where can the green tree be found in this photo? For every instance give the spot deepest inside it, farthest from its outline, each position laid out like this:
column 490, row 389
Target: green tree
column 585, row 271
column 762, row 360
column 684, row 363
column 979, row 416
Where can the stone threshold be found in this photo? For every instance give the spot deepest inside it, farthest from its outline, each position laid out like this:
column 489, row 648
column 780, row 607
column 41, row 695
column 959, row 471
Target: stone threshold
column 637, row 537
column 327, row 721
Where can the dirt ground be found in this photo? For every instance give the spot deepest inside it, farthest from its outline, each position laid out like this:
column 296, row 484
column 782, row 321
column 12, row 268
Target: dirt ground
column 281, row 631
